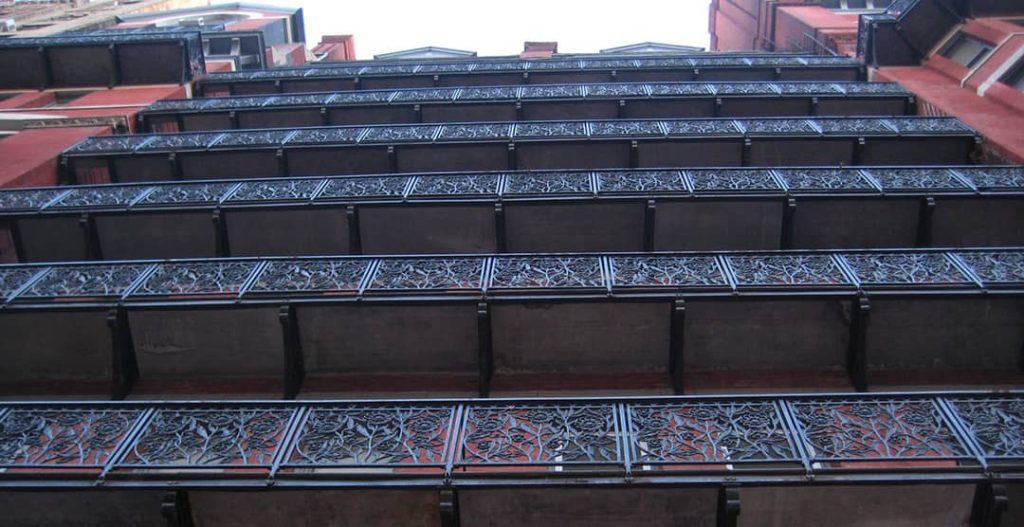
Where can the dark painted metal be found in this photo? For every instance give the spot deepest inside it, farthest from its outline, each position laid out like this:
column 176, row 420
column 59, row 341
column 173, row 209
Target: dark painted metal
column 728, row 507
column 176, row 509
column 125, row 367
column 676, row 357
column 991, row 500
column 856, row 361
column 449, row 504
column 294, row 369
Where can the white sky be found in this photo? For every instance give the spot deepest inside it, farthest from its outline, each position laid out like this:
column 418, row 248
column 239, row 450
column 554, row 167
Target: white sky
column 500, row 28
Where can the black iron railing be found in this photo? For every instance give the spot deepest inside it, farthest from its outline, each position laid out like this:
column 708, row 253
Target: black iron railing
column 754, row 439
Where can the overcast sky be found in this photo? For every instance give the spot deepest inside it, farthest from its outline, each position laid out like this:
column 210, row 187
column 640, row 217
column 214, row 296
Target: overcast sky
column 499, row 28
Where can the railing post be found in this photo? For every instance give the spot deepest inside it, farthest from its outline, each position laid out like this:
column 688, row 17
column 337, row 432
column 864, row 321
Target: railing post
column 990, row 502
column 485, row 348
column 355, row 239
column 124, row 367
column 634, row 154
column 677, row 325
column 222, row 247
column 856, row 355
column 788, row 224
column 728, row 507
column 925, row 222
column 91, row 236
column 449, row 501
column 650, row 212
column 500, row 233
column 746, row 154
column 176, row 509
column 294, row 366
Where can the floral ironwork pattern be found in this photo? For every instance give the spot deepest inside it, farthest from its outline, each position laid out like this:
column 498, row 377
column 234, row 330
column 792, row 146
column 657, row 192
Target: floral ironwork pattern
column 488, row 93
column 27, row 199
column 701, row 128
column 549, row 183
column 343, row 275
column 853, row 126
column 670, row 89
column 625, row 128
column 547, row 272
column 433, row 94
column 288, row 189
column 615, row 90
column 878, row 429
column 12, row 278
column 997, row 424
column 247, row 436
column 732, row 180
column 365, row 187
column 552, row 91
column 85, row 281
column 300, row 99
column 915, row 179
column 471, row 132
column 779, row 126
column 187, row 193
column 65, row 436
column 196, row 278
column 929, row 125
column 824, row 179
column 115, row 143
column 253, row 138
column 384, row 134
column 540, row 434
column 745, row 88
column 642, row 181
column 994, row 178
column 550, row 130
column 112, row 196
column 454, row 185
column 315, row 136
column 889, row 268
column 813, row 87
column 362, row 97
column 1005, row 267
column 667, row 271
column 386, row 435
column 428, row 273
column 708, row 433
column 804, row 269
column 180, row 141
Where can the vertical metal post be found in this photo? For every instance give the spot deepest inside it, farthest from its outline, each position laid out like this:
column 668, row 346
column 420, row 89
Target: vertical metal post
column 990, row 503
column 634, row 154
column 519, row 111
column 392, row 159
column 355, row 239
column 176, row 509
column 513, row 163
column 620, row 109
column 325, row 118
column 115, row 66
column 677, row 325
column 858, row 150
column 44, row 56
column 418, row 113
column 728, row 507
column 500, row 233
column 449, row 500
column 92, row 238
column 925, row 222
column 813, row 110
column 222, row 246
column 294, row 366
column 745, row 155
column 125, row 368
column 176, row 169
column 650, row 212
column 788, row 224
column 717, row 112
column 485, row 348
column 282, row 163
column 856, row 355
column 233, row 119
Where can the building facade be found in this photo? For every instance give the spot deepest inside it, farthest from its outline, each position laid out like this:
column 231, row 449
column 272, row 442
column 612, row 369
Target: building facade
column 659, row 287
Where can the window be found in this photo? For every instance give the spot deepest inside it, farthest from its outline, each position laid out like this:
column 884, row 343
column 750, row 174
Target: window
column 965, row 51
column 1015, row 77
column 857, row 5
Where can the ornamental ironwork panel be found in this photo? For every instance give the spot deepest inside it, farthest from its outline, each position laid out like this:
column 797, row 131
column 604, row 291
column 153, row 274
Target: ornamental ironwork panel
column 288, row 189
column 667, row 271
column 873, row 88
column 899, row 269
column 552, row 91
column 811, row 88
column 177, row 105
column 384, row 134
column 915, row 179
column 301, row 99
column 362, row 97
column 824, row 179
column 365, row 187
column 788, row 270
column 233, row 103
column 112, row 196
column 442, row 68
column 456, row 185
column 544, row 434
column 549, row 183
column 499, row 66
column 433, row 274
column 115, row 143
column 672, row 89
column 994, row 178
column 62, row 437
column 389, row 69
column 13, row 277
column 474, row 132
column 995, row 268
column 642, row 181
column 12, row 200
column 701, row 128
column 623, row 128
column 265, row 138
column 431, row 94
column 727, row 61
column 488, row 93
column 550, row 130
column 85, row 281
column 313, row 275
column 878, row 429
column 665, row 62
column 197, row 278
column 615, row 90
column 995, row 423
column 853, row 126
column 608, row 63
column 745, row 88
column 186, row 193
column 373, row 436
column 929, row 125
column 732, row 180
column 519, row 272
column 318, row 136
column 209, row 437
column 180, row 141
column 719, row 432
column 779, row 127
column 548, row 64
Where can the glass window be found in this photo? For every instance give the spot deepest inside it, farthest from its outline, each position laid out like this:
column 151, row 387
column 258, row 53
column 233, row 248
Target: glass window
column 965, row 50
column 1015, row 77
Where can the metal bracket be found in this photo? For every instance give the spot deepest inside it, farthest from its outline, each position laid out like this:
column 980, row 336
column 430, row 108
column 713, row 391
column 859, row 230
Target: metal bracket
column 125, row 368
column 650, row 212
column 513, row 163
column 746, row 155
column 176, row 509
column 856, row 354
column 677, row 325
column 500, row 234
column 222, row 246
column 925, row 220
column 634, row 154
column 294, row 366
column 990, row 503
column 355, row 238
column 449, row 500
column 485, row 348
column 788, row 224
column 91, row 236
column 728, row 507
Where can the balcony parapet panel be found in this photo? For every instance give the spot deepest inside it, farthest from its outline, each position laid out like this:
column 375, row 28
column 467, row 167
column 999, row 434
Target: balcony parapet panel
column 517, row 211
column 533, row 145
column 501, row 103
column 480, row 72
column 953, row 317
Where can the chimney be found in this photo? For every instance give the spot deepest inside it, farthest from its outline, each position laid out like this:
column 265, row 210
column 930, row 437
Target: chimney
column 538, row 50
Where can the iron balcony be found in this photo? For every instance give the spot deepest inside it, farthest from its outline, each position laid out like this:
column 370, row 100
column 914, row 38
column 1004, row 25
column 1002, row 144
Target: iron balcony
column 534, row 145
column 488, row 212
column 374, row 75
column 661, row 322
column 530, row 103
